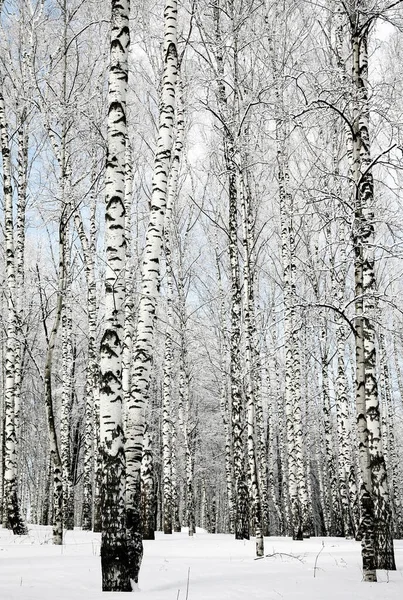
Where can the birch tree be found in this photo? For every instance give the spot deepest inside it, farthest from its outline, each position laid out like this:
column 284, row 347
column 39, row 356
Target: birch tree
column 114, row 560
column 150, row 275
column 13, row 516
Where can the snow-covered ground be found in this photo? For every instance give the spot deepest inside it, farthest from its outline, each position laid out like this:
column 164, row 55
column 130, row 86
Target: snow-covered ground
column 205, row 567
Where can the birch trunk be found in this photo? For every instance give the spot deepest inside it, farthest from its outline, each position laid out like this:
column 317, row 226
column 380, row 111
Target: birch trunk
column 129, row 301
column 91, row 439
column 114, row 548
column 11, row 504
column 148, row 499
column 237, row 408
column 250, row 391
column 47, row 377
column 224, row 408
column 372, row 462
column 332, row 498
column 143, row 347
column 67, row 386
column 20, row 266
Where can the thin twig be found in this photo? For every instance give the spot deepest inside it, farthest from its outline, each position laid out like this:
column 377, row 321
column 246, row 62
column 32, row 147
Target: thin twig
column 316, row 559
column 280, row 554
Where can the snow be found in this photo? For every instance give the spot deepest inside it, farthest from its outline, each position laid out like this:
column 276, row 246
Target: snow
column 203, row 567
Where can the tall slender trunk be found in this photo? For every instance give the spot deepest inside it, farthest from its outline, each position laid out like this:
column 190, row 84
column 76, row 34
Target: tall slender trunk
column 12, row 506
column 390, row 445
column 375, row 503
column 47, row 378
column 254, row 481
column 67, row 386
column 237, row 408
column 224, row 408
column 143, row 347
column 332, row 497
column 129, row 301
column 114, row 559
column 91, row 437
column 20, row 267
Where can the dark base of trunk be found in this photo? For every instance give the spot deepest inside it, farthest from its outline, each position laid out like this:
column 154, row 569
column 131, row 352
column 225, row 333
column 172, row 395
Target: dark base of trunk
column 242, row 535
column 149, row 535
column 114, row 573
column 14, row 520
column 134, row 536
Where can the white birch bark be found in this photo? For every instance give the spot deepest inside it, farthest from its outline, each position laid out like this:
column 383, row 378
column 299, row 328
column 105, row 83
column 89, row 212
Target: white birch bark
column 13, row 516
column 67, row 388
column 114, row 556
column 129, row 301
column 250, row 391
column 22, row 169
column 272, row 410
column 224, row 407
column 377, row 544
column 57, row 507
column 227, row 115
column 148, row 500
column 389, row 447
column 332, row 498
column 143, row 347
column 91, row 438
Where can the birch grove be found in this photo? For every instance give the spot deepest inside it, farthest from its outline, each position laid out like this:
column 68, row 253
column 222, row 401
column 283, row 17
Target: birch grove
column 201, row 266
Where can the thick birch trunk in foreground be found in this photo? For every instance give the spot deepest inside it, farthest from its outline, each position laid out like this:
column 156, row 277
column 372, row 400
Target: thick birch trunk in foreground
column 143, row 347
column 13, row 516
column 114, row 559
column 377, row 544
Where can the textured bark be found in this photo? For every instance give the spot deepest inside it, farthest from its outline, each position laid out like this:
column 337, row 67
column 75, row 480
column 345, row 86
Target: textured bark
column 12, row 517
column 167, row 425
column 342, row 409
column 236, row 407
column 389, row 447
column 91, row 440
column 22, row 168
column 167, row 434
column 67, row 388
column 148, row 497
column 249, row 359
column 300, row 516
column 150, row 275
column 274, row 486
column 47, row 377
column 129, row 300
column 367, row 390
column 334, row 527
column 114, row 550
column 176, row 524
column 224, row 405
